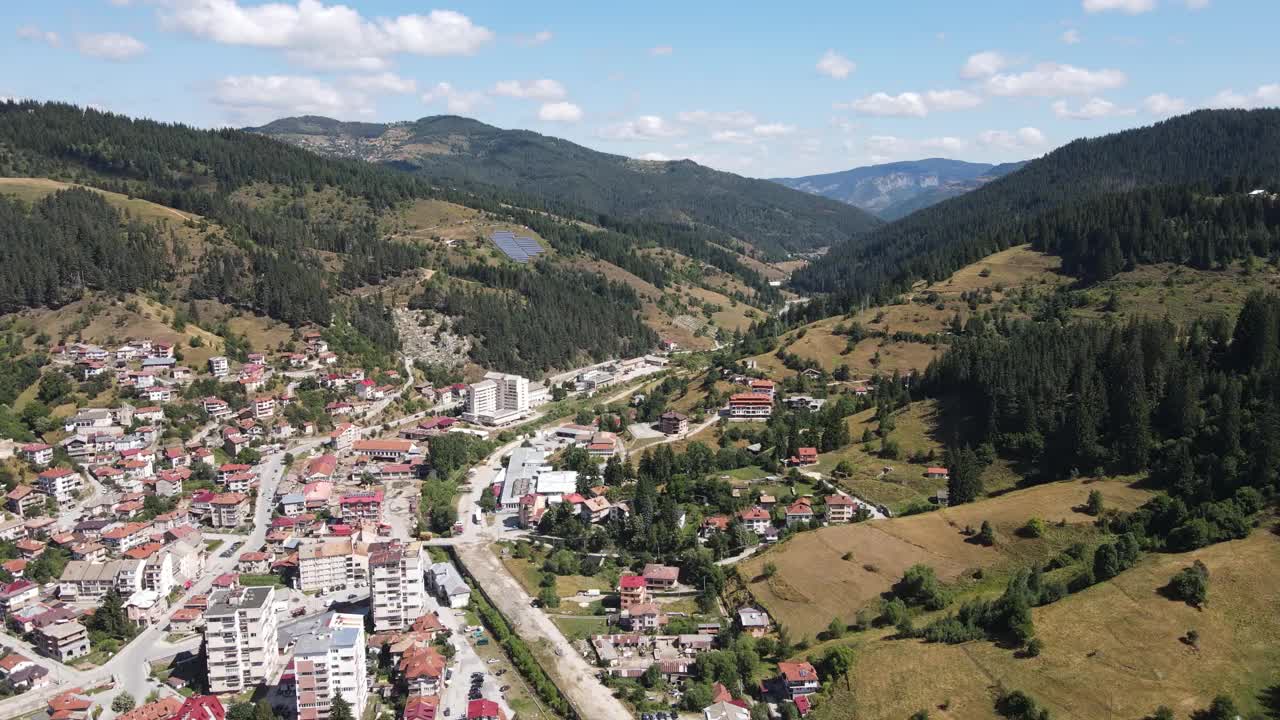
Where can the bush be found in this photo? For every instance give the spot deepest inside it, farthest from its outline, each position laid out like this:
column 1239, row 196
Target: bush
column 1017, row 705
column 1094, row 505
column 1034, row 647
column 1191, row 585
column 123, row 703
column 1033, row 529
column 986, row 535
column 919, row 586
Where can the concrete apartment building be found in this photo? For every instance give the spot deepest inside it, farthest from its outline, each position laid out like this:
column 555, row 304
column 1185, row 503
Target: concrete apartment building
column 61, row 484
column 63, row 641
column 240, row 638
column 498, row 399
column 329, row 661
column 332, row 564
column 397, row 586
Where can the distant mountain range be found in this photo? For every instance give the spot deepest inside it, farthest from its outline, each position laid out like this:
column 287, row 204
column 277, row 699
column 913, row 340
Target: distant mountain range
column 897, row 189
column 772, row 218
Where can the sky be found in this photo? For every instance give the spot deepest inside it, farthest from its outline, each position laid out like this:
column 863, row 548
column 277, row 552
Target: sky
column 761, row 89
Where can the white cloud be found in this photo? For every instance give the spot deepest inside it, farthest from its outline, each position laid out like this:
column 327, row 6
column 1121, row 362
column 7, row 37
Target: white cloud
column 912, row 104
column 457, row 101
column 35, row 34
column 950, row 145
column 951, row 100
column 730, row 118
column 773, row 129
column 386, row 82
column 645, row 127
column 1055, row 79
column 1163, row 105
column 327, row 36
column 1071, row 37
column 1197, row 4
column 1264, row 96
column 255, row 95
column 1093, row 109
column 654, row 156
column 542, row 37
column 1132, row 7
column 907, row 104
column 543, row 89
column 1021, row 139
column 834, row 65
column 984, row 64
column 661, row 50
column 732, row 136
column 110, row 46
column 560, row 112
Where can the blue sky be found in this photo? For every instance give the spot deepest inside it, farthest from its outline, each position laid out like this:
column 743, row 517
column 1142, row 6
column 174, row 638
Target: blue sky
column 762, row 89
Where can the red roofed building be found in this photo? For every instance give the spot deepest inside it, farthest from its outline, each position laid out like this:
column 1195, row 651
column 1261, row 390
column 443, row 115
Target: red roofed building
column 158, row 710
column 799, row 678
column 201, row 707
column 422, row 707
column 762, row 387
column 367, row 505
column 755, row 518
column 229, row 509
column 800, row 511
column 750, row 405
column 24, row 501
column 632, row 590
column 840, row 508
column 805, row 456
column 660, row 577
column 484, row 710
column 937, row 473
column 37, row 453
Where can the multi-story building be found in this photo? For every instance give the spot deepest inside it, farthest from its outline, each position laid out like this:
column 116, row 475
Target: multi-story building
column 840, row 508
column 240, row 638
column 756, row 519
column 87, row 582
column 218, row 366
column 328, row 662
column 391, row 450
column 365, row 505
column 158, row 573
column 264, row 407
column 673, row 423
column 332, row 564
column 37, row 453
column 750, row 405
column 498, row 399
column 125, row 537
column 61, row 484
column 397, row 589
column 24, row 501
column 228, row 510
column 449, row 587
column 632, row 590
column 63, row 641
column 799, row 678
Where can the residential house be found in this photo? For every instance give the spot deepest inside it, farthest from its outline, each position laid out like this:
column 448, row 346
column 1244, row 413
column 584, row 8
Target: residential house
column 63, row 641
column 937, row 473
column 37, row 453
column 756, row 519
column 228, row 510
column 449, row 587
column 632, row 590
column 753, row 621
column 483, row 709
column 799, row 512
column 750, row 406
column 644, row 617
column 61, row 484
column 840, row 508
column 673, row 423
column 361, row 506
column 24, row 501
column 660, row 577
column 798, row 678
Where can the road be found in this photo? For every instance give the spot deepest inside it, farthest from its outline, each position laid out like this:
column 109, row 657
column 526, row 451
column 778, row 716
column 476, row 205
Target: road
column 574, row 675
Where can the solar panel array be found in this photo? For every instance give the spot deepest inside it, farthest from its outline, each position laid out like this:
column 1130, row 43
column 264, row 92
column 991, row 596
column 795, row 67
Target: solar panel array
column 521, row 249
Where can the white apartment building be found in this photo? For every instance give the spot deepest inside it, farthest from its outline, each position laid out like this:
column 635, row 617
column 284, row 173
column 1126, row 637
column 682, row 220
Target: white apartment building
column 397, row 585
column 329, row 661
column 332, row 564
column 240, row 638
column 498, row 399
column 61, row 484
column 158, row 573
column 218, row 366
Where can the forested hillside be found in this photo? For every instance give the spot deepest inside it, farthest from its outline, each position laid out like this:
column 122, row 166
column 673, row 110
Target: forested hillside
column 683, row 194
column 1204, row 148
column 286, row 233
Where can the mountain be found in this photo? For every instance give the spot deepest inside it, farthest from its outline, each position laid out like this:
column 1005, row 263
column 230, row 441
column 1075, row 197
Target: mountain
column 97, row 207
column 1206, row 147
column 893, row 190
column 774, row 219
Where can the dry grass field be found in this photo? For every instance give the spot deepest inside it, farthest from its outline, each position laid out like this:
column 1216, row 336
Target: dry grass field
column 813, row 583
column 1114, row 650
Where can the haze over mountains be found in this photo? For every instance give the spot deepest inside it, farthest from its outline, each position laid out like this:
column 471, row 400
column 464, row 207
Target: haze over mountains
column 771, row 218
column 894, row 190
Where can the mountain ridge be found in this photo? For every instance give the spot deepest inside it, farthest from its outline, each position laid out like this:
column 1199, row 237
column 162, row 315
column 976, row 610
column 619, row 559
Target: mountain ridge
column 894, row 190
column 772, row 218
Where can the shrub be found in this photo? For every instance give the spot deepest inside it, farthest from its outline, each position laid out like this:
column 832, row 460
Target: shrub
column 1191, row 585
column 1033, row 529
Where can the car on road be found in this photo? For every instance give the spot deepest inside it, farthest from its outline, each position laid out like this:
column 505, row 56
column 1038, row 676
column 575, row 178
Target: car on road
column 504, row 688
column 491, row 661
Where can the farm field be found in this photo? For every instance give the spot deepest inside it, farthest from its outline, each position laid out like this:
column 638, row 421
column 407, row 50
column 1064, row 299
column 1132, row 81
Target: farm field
column 1111, row 651
column 814, row 583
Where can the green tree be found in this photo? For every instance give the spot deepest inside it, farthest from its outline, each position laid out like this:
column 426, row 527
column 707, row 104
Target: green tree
column 837, row 662
column 340, row 709
column 1191, row 585
column 986, row 534
column 964, row 483
column 1094, row 505
column 836, row 629
column 123, row 703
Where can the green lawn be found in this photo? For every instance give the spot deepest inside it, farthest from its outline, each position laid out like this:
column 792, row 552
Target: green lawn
column 213, row 545
column 746, row 474
column 261, row 581
column 581, row 628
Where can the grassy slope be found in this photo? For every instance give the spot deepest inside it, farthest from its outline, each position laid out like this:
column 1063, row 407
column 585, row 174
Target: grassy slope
column 1111, row 651
column 813, row 582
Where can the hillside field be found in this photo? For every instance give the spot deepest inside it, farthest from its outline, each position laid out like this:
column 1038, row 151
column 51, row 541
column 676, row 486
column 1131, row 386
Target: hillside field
column 814, row 583
column 1114, row 650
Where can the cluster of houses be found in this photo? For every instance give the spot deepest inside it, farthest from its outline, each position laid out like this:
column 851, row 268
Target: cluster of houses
column 530, row 486
column 75, row 704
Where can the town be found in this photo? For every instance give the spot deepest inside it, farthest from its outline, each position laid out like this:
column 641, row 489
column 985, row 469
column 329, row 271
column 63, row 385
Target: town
column 288, row 532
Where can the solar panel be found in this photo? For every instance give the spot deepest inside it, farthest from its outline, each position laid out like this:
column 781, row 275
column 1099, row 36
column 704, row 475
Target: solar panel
column 520, row 249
